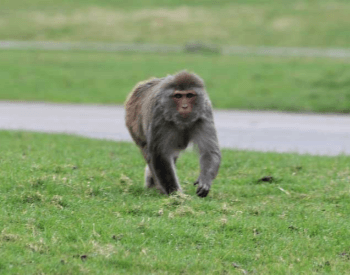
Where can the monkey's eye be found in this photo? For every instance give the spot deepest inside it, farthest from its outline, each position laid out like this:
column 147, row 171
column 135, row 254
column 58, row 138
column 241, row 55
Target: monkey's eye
column 190, row 95
column 178, row 95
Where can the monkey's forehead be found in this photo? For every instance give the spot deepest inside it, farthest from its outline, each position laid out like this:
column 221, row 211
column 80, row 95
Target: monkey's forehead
column 182, row 81
column 188, row 79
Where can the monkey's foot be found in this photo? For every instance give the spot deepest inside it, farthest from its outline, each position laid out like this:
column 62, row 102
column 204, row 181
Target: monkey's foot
column 196, row 182
column 202, row 191
column 173, row 190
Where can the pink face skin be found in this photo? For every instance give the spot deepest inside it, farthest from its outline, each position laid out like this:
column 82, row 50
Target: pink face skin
column 184, row 102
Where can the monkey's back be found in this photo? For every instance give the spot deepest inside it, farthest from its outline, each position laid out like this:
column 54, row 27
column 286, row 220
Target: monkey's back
column 137, row 115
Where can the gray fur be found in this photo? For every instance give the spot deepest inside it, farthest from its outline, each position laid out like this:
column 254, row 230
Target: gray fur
column 161, row 132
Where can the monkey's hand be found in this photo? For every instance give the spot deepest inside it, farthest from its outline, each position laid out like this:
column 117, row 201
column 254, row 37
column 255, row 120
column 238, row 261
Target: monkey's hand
column 203, row 189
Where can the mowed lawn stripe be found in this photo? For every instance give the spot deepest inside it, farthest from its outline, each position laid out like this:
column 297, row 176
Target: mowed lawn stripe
column 240, row 82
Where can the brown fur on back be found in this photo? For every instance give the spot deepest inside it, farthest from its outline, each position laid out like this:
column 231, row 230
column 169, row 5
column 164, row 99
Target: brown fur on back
column 133, row 106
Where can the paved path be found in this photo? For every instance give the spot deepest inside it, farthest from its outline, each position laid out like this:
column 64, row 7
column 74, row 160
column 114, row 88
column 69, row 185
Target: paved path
column 262, row 131
column 154, row 48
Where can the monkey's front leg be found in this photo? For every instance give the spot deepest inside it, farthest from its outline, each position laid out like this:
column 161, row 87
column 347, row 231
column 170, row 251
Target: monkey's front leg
column 209, row 168
column 210, row 158
column 163, row 168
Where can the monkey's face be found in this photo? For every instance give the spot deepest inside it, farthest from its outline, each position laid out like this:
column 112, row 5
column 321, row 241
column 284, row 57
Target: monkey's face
column 184, row 101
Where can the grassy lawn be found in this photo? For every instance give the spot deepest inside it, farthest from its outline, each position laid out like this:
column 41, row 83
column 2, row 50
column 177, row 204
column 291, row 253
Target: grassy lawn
column 322, row 23
column 72, row 205
column 257, row 83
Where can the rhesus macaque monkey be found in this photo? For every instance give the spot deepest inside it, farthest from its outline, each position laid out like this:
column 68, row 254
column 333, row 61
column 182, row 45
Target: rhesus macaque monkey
column 163, row 115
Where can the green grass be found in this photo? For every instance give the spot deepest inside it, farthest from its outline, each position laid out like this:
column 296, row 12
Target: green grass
column 257, row 83
column 72, row 205
column 308, row 23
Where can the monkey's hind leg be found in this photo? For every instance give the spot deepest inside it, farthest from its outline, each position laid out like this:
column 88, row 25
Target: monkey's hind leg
column 149, row 180
column 163, row 169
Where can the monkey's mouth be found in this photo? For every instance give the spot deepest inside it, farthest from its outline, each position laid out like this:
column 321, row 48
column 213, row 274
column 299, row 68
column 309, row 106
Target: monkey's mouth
column 185, row 113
